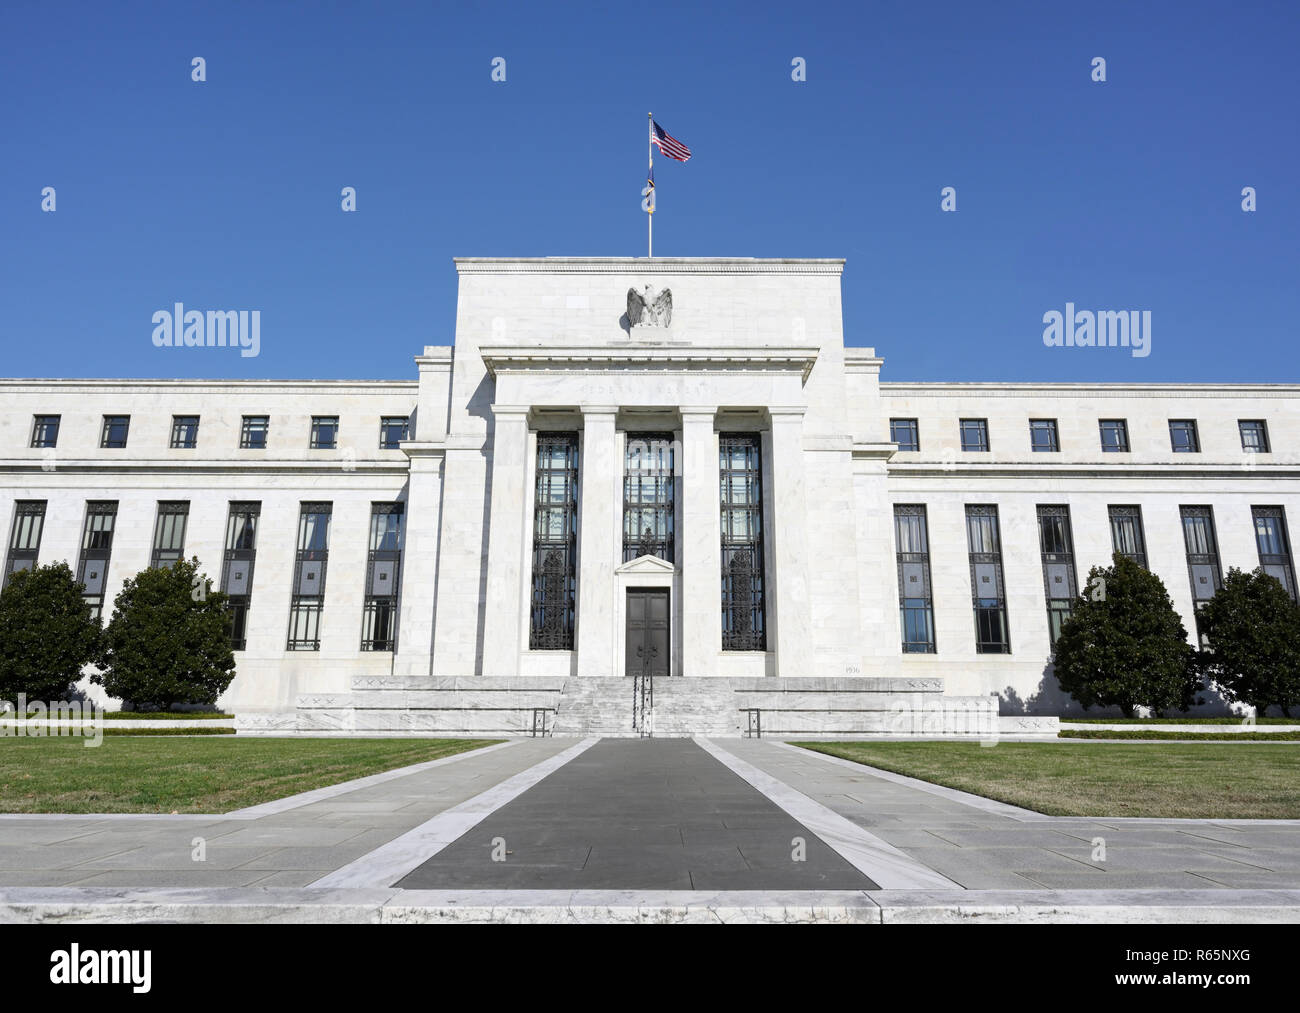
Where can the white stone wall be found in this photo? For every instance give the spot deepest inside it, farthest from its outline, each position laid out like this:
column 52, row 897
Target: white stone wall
column 753, row 345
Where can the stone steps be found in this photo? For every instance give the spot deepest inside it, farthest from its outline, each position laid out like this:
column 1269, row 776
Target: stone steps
column 581, row 707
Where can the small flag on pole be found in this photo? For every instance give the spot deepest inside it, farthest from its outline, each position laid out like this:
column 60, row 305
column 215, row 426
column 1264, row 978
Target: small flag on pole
column 667, row 144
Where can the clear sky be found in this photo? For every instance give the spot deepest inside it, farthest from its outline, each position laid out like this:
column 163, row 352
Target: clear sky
column 225, row 194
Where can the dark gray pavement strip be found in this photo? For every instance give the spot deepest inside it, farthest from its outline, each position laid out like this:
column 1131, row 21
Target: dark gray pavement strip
column 639, row 814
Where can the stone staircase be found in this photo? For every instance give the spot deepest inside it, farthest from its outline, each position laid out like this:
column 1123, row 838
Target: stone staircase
column 581, row 707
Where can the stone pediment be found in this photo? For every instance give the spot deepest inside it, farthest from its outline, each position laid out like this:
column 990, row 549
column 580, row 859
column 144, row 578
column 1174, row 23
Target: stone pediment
column 646, row 565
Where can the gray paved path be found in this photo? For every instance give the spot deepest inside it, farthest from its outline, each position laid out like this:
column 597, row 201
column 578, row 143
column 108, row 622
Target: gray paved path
column 639, row 814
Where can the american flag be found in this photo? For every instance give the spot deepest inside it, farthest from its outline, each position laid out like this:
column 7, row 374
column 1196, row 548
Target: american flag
column 668, row 144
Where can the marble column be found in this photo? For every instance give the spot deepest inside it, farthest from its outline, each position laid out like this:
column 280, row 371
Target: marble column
column 700, row 539
column 419, row 560
column 789, row 541
column 599, row 476
column 503, row 619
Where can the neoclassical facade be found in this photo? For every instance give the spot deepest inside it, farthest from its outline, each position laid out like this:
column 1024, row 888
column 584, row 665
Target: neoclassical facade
column 596, row 482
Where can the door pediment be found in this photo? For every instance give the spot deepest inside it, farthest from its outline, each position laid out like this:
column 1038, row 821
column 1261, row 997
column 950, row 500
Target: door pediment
column 646, row 566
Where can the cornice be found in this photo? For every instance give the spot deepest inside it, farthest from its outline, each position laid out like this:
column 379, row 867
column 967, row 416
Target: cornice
column 647, row 265
column 1075, row 390
column 528, row 358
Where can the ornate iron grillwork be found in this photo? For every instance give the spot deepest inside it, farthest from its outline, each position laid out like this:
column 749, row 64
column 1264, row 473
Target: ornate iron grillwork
column 169, row 533
column 1056, row 542
column 1202, row 558
column 1126, row 533
column 643, row 704
column 383, row 578
column 649, row 485
column 743, row 618
column 1274, row 546
column 96, row 548
column 915, row 604
column 25, row 538
column 237, row 567
column 308, row 601
column 987, row 596
column 555, row 524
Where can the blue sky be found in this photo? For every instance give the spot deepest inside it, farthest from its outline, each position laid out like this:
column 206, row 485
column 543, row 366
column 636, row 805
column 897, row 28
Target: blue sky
column 1123, row 195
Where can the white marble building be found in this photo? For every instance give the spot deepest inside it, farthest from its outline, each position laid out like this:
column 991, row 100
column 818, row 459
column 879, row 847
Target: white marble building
column 540, row 514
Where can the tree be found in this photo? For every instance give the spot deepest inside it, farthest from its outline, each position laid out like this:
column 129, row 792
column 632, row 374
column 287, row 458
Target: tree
column 1125, row 646
column 47, row 634
column 169, row 639
column 1253, row 631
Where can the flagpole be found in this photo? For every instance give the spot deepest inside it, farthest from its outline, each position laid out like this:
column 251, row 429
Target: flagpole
column 650, row 218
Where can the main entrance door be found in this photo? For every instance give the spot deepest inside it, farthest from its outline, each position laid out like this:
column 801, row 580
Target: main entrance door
column 648, row 643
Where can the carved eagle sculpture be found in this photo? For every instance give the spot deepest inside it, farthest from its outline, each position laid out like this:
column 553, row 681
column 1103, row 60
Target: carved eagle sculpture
column 648, row 308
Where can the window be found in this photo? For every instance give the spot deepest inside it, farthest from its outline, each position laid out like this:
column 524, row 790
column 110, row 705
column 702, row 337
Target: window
column 393, row 429
column 25, row 536
column 237, row 567
column 96, row 547
column 1126, row 533
column 1182, row 436
column 555, row 531
column 915, row 606
column 1274, row 546
column 990, row 604
column 1202, row 558
column 744, row 626
column 1042, row 436
column 252, row 435
column 45, row 430
column 974, row 434
column 1254, row 435
column 185, row 432
column 379, row 618
column 169, row 533
column 308, row 599
column 1114, row 436
column 115, row 429
column 905, row 433
column 324, row 432
column 1056, row 543
column 648, row 491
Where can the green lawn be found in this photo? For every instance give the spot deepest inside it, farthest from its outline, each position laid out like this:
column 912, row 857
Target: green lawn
column 1213, row 780
column 191, row 775
column 1152, row 734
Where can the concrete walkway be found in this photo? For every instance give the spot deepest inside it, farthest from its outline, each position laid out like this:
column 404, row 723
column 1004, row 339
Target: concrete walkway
column 669, row 830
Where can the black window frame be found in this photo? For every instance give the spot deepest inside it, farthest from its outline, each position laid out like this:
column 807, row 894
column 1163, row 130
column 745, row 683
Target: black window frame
column 1260, row 426
column 911, row 428
column 243, row 519
column 1048, row 426
column 1185, row 426
column 252, row 425
column 383, row 577
column 306, row 611
column 554, row 595
column 649, row 496
column 166, row 524
column 180, row 423
column 96, row 552
column 1056, row 547
column 111, row 422
column 41, row 440
column 388, row 421
column 913, row 565
column 989, row 610
column 320, row 423
column 1210, row 558
column 25, row 532
column 1121, row 512
column 1119, row 427
column 982, row 432
column 1272, row 562
column 744, row 583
